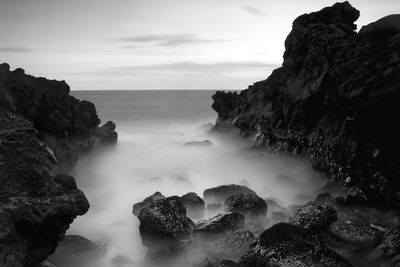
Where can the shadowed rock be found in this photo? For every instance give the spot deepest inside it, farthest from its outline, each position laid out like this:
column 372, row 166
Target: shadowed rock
column 220, row 223
column 107, row 134
column 137, row 207
column 194, row 205
column 288, row 245
column 314, row 217
column 220, row 193
column 251, row 206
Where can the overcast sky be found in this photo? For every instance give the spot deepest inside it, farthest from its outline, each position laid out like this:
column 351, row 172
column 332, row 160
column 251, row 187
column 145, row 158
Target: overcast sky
column 156, row 44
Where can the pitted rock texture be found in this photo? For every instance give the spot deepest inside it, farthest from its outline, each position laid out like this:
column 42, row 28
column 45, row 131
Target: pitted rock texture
column 335, row 100
column 36, row 206
column 137, row 207
column 316, row 217
column 251, row 206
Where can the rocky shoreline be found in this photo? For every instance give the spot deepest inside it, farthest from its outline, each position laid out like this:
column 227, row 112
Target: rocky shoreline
column 334, row 101
column 43, row 130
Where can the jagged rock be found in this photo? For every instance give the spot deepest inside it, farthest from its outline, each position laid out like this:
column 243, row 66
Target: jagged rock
column 194, row 205
column 251, row 206
column 361, row 235
column 137, row 207
column 77, row 251
column 107, row 134
column 66, row 124
column 220, row 193
column 220, row 223
column 164, row 227
column 36, row 206
column 314, row 217
column 334, row 101
column 203, row 143
column 289, row 245
column 230, row 244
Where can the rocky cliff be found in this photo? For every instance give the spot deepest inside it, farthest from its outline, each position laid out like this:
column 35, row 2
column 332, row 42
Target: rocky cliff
column 335, row 101
column 42, row 131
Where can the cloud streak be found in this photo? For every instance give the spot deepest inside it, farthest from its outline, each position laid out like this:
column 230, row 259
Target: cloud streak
column 253, row 10
column 168, row 39
column 15, row 49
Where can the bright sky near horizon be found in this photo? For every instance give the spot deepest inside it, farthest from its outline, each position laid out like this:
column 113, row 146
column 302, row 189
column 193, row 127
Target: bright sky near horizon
column 156, row 44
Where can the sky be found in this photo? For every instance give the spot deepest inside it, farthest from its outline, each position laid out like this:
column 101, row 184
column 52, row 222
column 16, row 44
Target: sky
column 156, row 44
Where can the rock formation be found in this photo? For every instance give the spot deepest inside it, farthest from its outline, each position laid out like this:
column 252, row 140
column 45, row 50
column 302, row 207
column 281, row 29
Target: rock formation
column 335, row 100
column 42, row 132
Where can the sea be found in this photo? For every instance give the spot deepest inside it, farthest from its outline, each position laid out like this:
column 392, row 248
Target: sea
column 150, row 156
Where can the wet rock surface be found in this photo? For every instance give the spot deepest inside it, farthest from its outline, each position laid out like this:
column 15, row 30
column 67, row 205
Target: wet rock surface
column 220, row 223
column 194, row 205
column 137, row 207
column 315, row 217
column 220, row 193
column 77, row 251
column 231, row 244
column 333, row 101
column 251, row 206
column 290, row 245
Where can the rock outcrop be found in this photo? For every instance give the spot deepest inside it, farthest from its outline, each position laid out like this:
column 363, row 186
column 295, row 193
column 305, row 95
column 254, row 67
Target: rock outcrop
column 251, row 206
column 194, row 205
column 335, row 100
column 42, row 132
column 137, row 207
column 36, row 205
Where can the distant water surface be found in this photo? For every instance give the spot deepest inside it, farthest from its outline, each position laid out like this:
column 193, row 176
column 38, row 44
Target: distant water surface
column 150, row 156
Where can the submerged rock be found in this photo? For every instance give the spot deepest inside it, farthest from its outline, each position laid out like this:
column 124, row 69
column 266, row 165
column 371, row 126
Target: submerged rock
column 203, row 143
column 288, row 245
column 137, row 207
column 220, row 193
column 220, row 223
column 251, row 206
column 315, row 217
column 77, row 251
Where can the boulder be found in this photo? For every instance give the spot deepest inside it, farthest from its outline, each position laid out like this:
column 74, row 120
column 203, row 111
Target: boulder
column 75, row 250
column 289, row 245
column 164, row 227
column 251, row 206
column 137, row 207
column 194, row 205
column 316, row 217
column 361, row 235
column 220, row 223
column 390, row 246
column 220, row 193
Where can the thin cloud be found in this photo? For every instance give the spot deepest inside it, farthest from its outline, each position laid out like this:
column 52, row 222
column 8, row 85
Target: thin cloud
column 15, row 49
column 168, row 39
column 189, row 66
column 253, row 10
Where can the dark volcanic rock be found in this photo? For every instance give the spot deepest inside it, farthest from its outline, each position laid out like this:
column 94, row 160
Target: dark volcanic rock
column 77, row 251
column 288, row 245
column 390, row 246
column 36, row 206
column 361, row 235
column 314, row 217
column 220, row 223
column 199, row 143
column 137, row 207
column 107, row 134
column 164, row 227
column 194, row 205
column 67, row 125
column 251, row 206
column 230, row 244
column 220, row 193
column 335, row 100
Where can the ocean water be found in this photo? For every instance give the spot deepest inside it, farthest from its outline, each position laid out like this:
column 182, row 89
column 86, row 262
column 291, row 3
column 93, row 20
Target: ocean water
column 152, row 128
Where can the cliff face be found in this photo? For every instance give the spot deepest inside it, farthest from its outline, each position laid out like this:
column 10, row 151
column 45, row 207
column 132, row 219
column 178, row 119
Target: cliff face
column 42, row 131
column 335, row 100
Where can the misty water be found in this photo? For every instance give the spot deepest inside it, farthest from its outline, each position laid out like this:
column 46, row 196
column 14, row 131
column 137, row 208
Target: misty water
column 152, row 127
